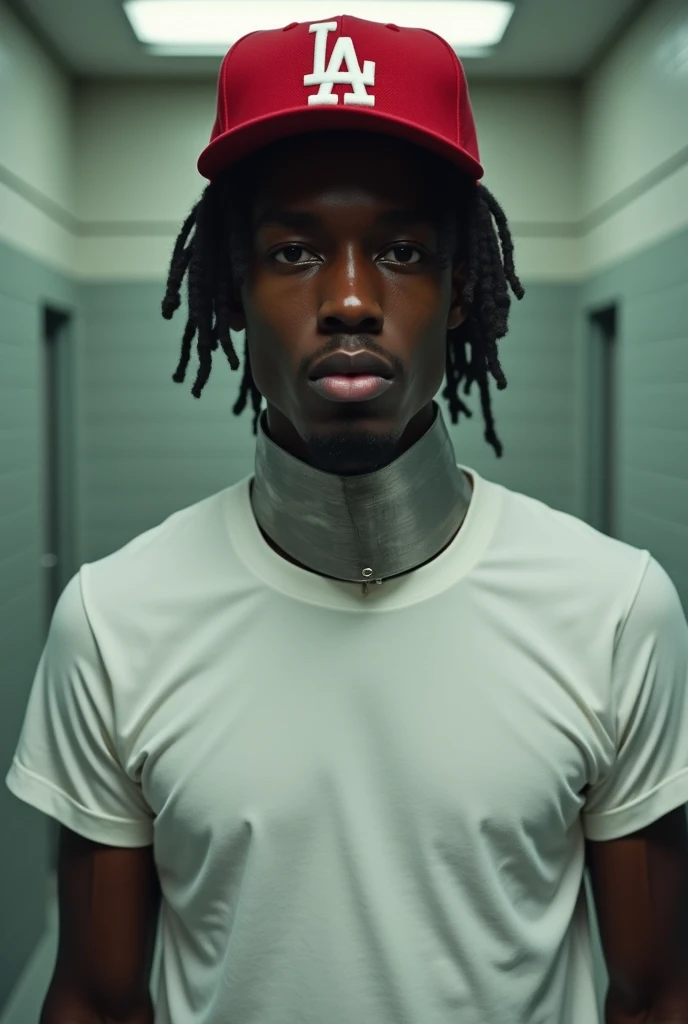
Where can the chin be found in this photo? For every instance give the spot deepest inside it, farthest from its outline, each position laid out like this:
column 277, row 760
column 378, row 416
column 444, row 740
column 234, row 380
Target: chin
column 334, row 451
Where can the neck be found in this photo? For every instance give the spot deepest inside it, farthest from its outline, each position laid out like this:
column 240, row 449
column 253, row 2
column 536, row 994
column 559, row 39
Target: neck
column 337, row 460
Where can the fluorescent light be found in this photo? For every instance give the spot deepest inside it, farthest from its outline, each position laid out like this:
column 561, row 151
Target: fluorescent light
column 220, row 49
column 212, row 26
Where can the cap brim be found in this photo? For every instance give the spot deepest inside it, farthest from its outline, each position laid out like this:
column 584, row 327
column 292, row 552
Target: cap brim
column 226, row 150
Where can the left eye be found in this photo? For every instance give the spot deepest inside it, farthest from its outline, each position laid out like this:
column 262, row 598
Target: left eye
column 406, row 248
column 395, row 249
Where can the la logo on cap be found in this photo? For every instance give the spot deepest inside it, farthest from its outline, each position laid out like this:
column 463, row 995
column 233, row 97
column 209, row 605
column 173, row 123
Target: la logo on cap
column 344, row 52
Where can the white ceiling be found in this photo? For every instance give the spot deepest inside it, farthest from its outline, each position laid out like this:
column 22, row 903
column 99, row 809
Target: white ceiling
column 546, row 38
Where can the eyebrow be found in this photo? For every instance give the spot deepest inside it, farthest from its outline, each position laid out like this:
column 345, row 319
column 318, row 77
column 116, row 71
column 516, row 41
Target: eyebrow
column 298, row 219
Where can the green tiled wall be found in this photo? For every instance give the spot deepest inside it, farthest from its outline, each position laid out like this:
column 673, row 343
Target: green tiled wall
column 25, row 286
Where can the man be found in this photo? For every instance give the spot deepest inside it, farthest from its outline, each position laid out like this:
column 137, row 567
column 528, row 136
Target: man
column 368, row 708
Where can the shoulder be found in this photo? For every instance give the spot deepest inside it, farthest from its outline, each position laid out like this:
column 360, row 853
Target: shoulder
column 158, row 560
column 561, row 547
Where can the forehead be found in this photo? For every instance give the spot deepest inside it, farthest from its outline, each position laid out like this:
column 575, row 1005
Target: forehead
column 347, row 167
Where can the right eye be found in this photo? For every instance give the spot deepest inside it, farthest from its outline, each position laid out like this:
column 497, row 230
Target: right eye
column 292, row 248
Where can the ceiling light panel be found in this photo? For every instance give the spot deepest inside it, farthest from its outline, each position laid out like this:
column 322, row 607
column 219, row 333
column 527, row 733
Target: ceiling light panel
column 207, row 25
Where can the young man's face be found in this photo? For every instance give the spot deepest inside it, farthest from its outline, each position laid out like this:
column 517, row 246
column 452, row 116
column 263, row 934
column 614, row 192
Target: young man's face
column 348, row 280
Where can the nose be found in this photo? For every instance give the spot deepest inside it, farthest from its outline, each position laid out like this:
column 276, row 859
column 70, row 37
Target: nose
column 349, row 298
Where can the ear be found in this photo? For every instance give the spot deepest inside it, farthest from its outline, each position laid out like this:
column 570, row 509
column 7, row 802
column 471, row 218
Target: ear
column 457, row 313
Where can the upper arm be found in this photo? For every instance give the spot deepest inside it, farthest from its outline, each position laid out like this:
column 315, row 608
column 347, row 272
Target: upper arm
column 108, row 900
column 640, row 885
column 646, row 774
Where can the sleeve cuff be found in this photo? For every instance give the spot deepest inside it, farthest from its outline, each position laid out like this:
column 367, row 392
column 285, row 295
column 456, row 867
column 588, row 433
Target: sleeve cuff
column 640, row 813
column 47, row 798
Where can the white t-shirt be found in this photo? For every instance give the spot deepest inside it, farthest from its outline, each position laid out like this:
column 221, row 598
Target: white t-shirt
column 365, row 808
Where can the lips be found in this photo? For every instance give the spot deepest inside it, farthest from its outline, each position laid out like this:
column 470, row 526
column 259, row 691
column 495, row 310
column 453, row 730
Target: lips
column 350, row 389
column 360, row 364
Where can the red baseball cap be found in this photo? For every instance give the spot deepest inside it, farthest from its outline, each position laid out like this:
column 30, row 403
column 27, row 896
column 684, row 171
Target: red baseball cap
column 342, row 72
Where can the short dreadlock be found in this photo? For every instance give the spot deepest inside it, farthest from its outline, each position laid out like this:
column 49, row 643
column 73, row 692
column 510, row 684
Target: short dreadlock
column 216, row 260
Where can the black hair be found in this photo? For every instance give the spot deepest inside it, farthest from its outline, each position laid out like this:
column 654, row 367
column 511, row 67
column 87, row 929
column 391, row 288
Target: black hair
column 215, row 258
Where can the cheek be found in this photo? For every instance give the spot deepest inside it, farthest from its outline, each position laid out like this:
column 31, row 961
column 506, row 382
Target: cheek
column 258, row 333
column 429, row 357
column 273, row 328
column 265, row 359
column 430, row 360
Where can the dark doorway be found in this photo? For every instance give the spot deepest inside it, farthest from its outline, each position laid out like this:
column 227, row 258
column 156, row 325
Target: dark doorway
column 58, row 557
column 58, row 456
column 602, row 420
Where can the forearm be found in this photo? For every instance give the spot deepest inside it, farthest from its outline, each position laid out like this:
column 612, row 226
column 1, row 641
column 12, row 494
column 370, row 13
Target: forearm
column 62, row 1008
column 670, row 1006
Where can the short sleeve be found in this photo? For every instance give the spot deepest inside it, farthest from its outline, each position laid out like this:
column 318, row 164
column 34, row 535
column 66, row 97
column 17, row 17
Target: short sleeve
column 65, row 763
column 649, row 690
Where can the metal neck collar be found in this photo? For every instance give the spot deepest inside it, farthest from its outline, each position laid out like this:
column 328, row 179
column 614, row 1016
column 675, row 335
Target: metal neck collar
column 367, row 527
